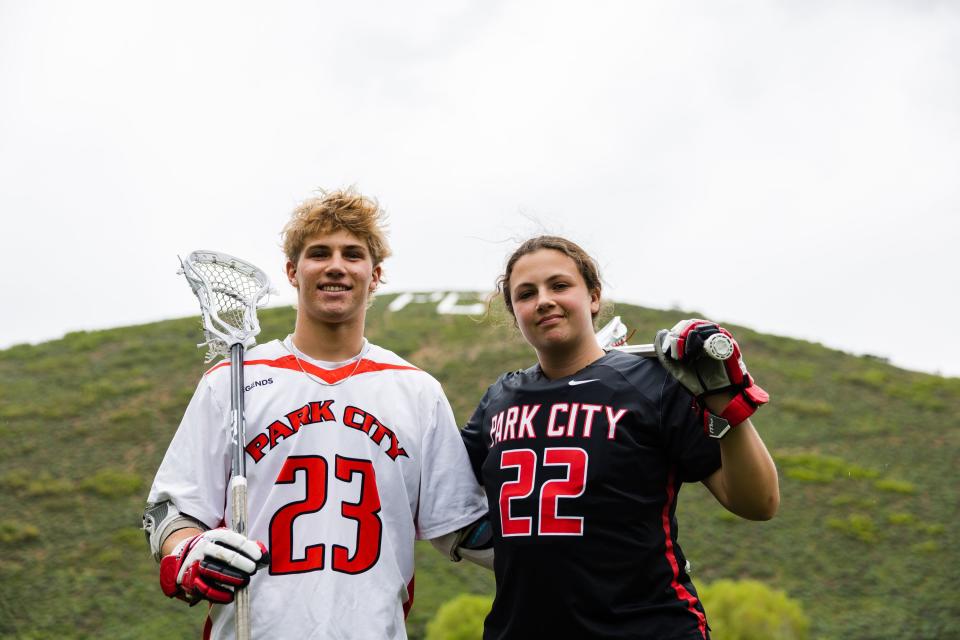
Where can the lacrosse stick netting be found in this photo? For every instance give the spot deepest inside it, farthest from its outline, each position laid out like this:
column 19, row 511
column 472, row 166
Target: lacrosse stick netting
column 229, row 290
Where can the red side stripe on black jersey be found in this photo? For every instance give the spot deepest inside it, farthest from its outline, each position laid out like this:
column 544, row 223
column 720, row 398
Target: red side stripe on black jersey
column 682, row 593
column 329, row 376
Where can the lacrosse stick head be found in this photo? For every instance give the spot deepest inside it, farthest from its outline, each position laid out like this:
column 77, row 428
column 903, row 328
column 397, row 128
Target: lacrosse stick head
column 613, row 334
column 229, row 290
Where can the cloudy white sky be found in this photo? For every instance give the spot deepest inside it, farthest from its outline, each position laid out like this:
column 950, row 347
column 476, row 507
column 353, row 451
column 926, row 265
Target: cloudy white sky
column 790, row 166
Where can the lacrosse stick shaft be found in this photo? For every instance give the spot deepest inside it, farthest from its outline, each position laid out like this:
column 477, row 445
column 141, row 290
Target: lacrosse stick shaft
column 718, row 347
column 238, row 479
column 645, row 350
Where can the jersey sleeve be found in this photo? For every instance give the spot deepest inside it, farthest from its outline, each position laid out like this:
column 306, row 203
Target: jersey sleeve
column 695, row 454
column 196, row 467
column 450, row 497
column 473, row 437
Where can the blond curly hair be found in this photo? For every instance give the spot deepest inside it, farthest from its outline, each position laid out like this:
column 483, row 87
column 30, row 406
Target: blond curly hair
column 338, row 210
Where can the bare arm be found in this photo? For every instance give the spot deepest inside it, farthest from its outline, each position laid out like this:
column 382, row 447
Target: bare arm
column 746, row 484
column 176, row 537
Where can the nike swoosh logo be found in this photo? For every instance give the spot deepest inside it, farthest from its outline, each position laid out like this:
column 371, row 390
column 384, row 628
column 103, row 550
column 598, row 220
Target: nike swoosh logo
column 574, row 383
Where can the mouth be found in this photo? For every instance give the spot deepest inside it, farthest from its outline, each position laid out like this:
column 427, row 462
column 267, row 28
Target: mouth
column 553, row 318
column 333, row 288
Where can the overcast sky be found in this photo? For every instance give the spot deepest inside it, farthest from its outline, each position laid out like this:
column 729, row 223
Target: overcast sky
column 789, row 166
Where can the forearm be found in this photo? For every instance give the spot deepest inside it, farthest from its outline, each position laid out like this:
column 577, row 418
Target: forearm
column 748, row 481
column 176, row 537
column 748, row 474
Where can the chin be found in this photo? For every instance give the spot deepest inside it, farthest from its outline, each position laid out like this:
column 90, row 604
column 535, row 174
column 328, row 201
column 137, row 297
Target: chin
column 332, row 314
column 554, row 343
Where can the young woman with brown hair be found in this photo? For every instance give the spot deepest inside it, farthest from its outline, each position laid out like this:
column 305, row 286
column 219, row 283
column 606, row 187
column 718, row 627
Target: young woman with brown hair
column 583, row 454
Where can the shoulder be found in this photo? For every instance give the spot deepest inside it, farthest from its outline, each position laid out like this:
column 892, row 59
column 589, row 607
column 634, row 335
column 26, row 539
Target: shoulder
column 266, row 352
column 637, row 371
column 638, row 376
column 389, row 363
column 379, row 354
column 648, row 379
column 512, row 382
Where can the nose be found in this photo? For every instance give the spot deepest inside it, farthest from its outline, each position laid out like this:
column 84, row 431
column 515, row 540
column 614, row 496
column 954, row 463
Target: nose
column 335, row 266
column 544, row 302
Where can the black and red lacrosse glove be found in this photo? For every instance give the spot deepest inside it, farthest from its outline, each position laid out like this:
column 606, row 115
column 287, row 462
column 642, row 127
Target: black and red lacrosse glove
column 681, row 351
column 210, row 565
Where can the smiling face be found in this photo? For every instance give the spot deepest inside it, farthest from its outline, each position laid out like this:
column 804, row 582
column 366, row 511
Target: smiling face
column 552, row 304
column 334, row 277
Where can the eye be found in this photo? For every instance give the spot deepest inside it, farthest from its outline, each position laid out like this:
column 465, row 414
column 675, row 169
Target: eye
column 524, row 294
column 560, row 285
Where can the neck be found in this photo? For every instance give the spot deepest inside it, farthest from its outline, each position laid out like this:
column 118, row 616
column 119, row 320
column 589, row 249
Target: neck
column 562, row 364
column 331, row 342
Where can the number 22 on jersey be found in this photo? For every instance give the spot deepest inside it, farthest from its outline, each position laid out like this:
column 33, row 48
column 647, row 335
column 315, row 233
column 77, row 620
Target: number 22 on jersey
column 573, row 460
column 365, row 512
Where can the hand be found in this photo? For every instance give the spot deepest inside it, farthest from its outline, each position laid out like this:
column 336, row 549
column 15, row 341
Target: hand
column 680, row 350
column 211, row 565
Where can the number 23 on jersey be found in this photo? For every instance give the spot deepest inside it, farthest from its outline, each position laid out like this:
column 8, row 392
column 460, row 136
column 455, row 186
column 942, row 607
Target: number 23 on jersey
column 314, row 472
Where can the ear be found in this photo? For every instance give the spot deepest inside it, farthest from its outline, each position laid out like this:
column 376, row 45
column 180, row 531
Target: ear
column 291, row 269
column 594, row 301
column 375, row 280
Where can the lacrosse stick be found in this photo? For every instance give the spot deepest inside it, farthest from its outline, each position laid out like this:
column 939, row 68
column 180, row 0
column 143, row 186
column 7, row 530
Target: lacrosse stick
column 613, row 335
column 229, row 291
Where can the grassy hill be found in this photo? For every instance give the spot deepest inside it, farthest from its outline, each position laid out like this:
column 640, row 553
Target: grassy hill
column 868, row 457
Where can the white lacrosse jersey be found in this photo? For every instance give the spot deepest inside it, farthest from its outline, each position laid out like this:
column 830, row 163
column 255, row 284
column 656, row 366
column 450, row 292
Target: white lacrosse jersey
column 347, row 464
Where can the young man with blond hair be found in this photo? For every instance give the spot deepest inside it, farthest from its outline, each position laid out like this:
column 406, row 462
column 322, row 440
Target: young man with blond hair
column 353, row 454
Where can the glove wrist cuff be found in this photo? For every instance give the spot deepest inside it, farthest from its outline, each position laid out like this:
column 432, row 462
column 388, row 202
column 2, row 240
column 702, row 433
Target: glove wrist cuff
column 737, row 411
column 744, row 404
column 169, row 568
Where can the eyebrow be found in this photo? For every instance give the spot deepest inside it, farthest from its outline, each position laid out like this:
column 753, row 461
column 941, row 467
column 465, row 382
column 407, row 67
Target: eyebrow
column 324, row 245
column 556, row 276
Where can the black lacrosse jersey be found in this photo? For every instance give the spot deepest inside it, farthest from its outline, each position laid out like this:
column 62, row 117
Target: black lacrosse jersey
column 582, row 475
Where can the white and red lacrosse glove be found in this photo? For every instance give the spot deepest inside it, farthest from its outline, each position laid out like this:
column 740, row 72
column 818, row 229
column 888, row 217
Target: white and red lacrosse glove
column 210, row 565
column 681, row 351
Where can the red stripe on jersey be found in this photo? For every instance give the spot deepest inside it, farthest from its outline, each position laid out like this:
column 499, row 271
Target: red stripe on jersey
column 329, row 376
column 208, row 625
column 409, row 603
column 671, row 555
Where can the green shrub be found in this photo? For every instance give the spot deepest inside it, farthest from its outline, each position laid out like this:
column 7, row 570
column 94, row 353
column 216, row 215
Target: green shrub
column 23, row 482
column 460, row 618
column 813, row 467
column 871, row 378
column 751, row 610
column 807, row 408
column 129, row 538
column 44, row 484
column 725, row 516
column 895, row 486
column 856, row 525
column 901, row 518
column 16, row 532
column 809, row 475
column 845, row 500
column 16, row 480
column 932, row 529
column 113, row 483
